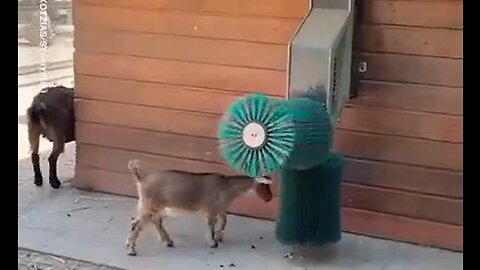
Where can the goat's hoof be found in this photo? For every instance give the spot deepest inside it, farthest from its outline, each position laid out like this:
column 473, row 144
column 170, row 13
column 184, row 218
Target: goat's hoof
column 219, row 236
column 213, row 244
column 55, row 183
column 170, row 244
column 131, row 251
column 38, row 181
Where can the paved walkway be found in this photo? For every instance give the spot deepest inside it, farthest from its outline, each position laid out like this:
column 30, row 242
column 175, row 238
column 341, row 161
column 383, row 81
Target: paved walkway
column 32, row 260
column 93, row 227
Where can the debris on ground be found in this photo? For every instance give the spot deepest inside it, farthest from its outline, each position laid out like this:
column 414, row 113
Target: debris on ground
column 31, row 260
column 253, row 246
column 58, row 259
column 85, row 197
column 72, row 210
column 288, row 255
column 231, row 265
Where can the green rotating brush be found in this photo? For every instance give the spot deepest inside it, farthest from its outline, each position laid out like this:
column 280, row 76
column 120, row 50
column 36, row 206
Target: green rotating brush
column 310, row 204
column 314, row 132
column 260, row 136
column 257, row 135
column 310, row 181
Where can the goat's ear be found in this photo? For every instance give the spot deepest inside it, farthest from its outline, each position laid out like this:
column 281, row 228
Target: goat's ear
column 263, row 180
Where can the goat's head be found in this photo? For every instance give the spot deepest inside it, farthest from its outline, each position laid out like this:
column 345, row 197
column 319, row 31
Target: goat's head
column 262, row 188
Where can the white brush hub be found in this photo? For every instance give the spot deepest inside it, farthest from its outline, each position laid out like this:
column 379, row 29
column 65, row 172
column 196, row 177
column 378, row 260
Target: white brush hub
column 254, row 135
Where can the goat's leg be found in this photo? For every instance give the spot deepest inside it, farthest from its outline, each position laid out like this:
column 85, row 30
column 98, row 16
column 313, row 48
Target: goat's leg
column 137, row 226
column 219, row 235
column 34, row 140
column 58, row 146
column 211, row 221
column 163, row 233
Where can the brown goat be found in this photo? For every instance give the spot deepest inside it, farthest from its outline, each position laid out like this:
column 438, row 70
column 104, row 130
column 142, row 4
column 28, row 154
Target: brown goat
column 51, row 115
column 209, row 193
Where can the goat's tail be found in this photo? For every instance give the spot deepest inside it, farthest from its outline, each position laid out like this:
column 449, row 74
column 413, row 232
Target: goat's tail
column 35, row 112
column 137, row 172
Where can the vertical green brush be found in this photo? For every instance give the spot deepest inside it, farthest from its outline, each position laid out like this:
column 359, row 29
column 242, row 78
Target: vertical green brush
column 310, row 204
column 260, row 136
column 310, row 181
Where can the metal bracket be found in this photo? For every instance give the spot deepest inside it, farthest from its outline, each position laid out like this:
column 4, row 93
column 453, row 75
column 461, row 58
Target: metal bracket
column 320, row 57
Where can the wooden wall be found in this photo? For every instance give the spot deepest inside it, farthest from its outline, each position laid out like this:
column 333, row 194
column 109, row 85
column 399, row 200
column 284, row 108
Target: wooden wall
column 154, row 77
column 403, row 134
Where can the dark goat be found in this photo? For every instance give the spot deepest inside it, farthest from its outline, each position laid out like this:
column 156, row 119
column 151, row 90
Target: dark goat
column 51, row 115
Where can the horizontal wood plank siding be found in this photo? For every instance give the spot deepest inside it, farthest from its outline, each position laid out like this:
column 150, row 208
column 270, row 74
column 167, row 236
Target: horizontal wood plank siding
column 413, row 69
column 426, row 207
column 191, row 74
column 354, row 220
column 264, row 8
column 181, row 23
column 427, row 14
column 410, row 97
column 189, row 49
column 153, row 79
column 414, row 41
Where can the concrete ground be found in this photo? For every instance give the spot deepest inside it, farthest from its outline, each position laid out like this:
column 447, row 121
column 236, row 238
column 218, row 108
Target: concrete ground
column 93, row 227
column 32, row 260
column 58, row 229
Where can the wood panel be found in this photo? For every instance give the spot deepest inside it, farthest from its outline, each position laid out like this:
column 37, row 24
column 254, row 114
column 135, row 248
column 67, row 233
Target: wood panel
column 354, row 195
column 104, row 181
column 403, row 203
column 112, row 158
column 413, row 69
column 403, row 123
column 109, row 147
column 382, row 121
column 149, row 118
column 154, row 94
column 149, row 142
column 124, row 144
column 397, row 96
column 353, row 220
column 404, row 177
column 409, row 40
column 429, row 126
column 181, row 73
column 403, row 229
column 441, row 14
column 413, row 97
column 190, row 49
column 161, row 21
column 116, row 160
column 374, row 224
column 273, row 8
column 400, row 150
column 361, row 145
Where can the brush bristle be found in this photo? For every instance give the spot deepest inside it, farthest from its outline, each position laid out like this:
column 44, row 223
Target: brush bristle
column 280, row 135
column 314, row 133
column 310, row 204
